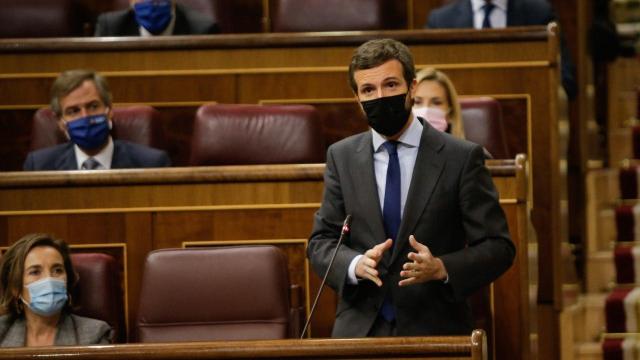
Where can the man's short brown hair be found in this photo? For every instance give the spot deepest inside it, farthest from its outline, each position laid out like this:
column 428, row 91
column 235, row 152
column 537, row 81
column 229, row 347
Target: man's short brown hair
column 12, row 269
column 71, row 80
column 374, row 53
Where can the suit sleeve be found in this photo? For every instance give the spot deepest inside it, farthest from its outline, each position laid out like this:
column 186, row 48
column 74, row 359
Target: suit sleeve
column 432, row 21
column 28, row 163
column 489, row 251
column 164, row 160
column 326, row 231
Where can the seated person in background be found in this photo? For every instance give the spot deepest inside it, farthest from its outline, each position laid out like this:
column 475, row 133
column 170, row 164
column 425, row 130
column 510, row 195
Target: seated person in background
column 436, row 101
column 482, row 14
column 37, row 277
column 154, row 17
column 82, row 101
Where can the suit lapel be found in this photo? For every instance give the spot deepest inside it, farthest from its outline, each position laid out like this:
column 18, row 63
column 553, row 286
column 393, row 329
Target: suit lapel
column 513, row 14
column 67, row 160
column 16, row 335
column 120, row 159
column 364, row 179
column 132, row 28
column 426, row 172
column 181, row 26
column 66, row 334
column 465, row 15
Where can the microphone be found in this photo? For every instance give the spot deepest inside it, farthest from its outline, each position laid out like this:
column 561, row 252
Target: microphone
column 346, row 228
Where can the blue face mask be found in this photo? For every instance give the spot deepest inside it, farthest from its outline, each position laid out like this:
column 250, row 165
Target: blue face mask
column 153, row 15
column 48, row 296
column 89, row 132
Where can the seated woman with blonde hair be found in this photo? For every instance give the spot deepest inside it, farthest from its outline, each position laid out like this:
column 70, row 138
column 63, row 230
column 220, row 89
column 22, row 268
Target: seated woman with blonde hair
column 436, row 101
column 37, row 277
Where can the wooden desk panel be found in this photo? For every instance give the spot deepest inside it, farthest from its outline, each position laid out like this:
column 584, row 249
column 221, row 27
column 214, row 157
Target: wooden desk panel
column 161, row 208
column 438, row 347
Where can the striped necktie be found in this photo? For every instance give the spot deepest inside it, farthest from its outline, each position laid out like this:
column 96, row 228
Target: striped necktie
column 90, row 164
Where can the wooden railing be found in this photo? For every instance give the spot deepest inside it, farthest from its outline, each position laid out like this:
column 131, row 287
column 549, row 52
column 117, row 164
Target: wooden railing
column 438, row 347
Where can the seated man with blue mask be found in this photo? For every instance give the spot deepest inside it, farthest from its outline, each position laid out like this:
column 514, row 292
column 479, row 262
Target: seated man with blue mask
column 154, row 18
column 82, row 101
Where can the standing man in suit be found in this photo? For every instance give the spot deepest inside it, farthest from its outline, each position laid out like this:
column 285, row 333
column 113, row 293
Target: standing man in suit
column 482, row 14
column 154, row 18
column 82, row 101
column 427, row 229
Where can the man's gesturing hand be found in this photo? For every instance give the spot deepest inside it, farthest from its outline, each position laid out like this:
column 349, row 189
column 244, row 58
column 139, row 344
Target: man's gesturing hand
column 366, row 266
column 423, row 266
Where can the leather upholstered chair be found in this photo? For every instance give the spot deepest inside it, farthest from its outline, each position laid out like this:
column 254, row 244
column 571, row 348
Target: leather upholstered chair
column 138, row 124
column 256, row 134
column 226, row 293
column 482, row 119
column 98, row 293
column 40, row 18
column 331, row 15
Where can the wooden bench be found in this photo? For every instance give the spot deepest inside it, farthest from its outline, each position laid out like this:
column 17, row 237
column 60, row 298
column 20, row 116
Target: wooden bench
column 472, row 347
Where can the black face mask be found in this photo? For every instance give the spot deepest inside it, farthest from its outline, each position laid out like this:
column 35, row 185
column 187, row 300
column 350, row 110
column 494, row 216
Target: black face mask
column 387, row 115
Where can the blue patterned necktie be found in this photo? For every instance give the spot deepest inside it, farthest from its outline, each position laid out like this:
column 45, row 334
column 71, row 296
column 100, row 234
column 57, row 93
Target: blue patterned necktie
column 391, row 212
column 488, row 8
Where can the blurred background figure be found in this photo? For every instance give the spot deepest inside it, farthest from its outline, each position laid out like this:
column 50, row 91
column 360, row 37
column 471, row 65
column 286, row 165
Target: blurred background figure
column 37, row 277
column 486, row 14
column 436, row 100
column 154, row 18
column 81, row 100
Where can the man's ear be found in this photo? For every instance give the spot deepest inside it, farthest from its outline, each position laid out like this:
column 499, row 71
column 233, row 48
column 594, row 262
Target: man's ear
column 110, row 117
column 62, row 127
column 412, row 88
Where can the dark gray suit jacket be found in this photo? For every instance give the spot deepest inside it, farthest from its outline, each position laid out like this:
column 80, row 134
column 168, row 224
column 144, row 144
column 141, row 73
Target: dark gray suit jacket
column 123, row 23
column 452, row 207
column 125, row 155
column 459, row 14
column 72, row 330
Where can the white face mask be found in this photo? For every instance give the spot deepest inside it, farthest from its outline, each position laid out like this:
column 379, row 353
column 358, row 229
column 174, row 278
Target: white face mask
column 435, row 117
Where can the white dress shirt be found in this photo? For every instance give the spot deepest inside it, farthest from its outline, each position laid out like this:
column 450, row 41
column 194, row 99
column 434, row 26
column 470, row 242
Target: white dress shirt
column 408, row 144
column 498, row 16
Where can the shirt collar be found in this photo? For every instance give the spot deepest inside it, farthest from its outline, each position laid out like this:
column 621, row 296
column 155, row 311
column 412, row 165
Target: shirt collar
column 410, row 137
column 167, row 32
column 477, row 5
column 104, row 157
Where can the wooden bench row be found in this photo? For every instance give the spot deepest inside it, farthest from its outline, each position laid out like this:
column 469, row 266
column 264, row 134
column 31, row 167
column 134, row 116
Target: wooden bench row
column 128, row 213
column 473, row 347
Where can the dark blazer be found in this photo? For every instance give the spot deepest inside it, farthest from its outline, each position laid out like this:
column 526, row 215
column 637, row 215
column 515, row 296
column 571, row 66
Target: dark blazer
column 125, row 155
column 123, row 23
column 452, row 207
column 72, row 330
column 459, row 14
